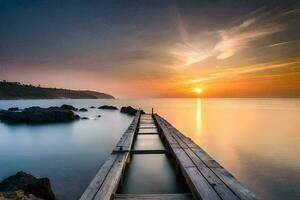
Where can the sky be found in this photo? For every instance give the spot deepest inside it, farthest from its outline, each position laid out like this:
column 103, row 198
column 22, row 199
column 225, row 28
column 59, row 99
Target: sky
column 157, row 48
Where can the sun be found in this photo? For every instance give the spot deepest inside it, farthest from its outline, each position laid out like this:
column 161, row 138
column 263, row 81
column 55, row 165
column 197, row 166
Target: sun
column 198, row 90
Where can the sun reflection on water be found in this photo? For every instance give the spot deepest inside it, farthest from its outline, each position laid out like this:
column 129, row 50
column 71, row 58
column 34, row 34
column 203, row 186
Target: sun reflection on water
column 198, row 115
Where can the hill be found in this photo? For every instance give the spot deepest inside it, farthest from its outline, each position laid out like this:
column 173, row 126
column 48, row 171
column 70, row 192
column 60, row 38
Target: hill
column 16, row 90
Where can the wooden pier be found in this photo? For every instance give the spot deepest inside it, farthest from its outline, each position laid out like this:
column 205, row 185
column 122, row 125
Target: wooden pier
column 206, row 178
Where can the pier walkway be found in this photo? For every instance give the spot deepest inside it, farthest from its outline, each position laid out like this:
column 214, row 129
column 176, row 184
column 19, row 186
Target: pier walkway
column 205, row 178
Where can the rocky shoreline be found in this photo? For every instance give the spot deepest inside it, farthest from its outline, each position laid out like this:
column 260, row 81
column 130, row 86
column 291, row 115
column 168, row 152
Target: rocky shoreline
column 26, row 187
column 38, row 115
column 23, row 186
column 54, row 114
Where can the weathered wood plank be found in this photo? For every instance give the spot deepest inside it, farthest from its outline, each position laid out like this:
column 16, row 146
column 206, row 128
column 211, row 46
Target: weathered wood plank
column 199, row 185
column 96, row 183
column 180, row 142
column 154, row 196
column 171, row 139
column 147, row 127
column 150, row 151
column 183, row 159
column 242, row 192
column 148, row 133
column 111, row 182
column 223, row 191
column 209, row 161
column 153, row 130
column 196, row 160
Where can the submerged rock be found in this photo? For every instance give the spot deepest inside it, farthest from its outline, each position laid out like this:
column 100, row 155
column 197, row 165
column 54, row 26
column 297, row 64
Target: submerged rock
column 92, row 107
column 84, row 118
column 108, row 107
column 37, row 115
column 13, row 109
column 29, row 184
column 68, row 107
column 98, row 116
column 129, row 110
column 83, row 110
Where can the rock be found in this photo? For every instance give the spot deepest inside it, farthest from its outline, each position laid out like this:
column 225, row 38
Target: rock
column 29, row 184
column 68, row 107
column 83, row 110
column 37, row 115
column 98, row 116
column 108, row 107
column 13, row 109
column 12, row 117
column 84, row 118
column 129, row 110
column 92, row 107
column 17, row 195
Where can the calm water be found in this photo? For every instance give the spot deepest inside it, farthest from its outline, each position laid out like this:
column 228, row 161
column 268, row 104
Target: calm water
column 257, row 140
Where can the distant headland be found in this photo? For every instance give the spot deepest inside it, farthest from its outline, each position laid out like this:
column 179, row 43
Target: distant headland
column 16, row 90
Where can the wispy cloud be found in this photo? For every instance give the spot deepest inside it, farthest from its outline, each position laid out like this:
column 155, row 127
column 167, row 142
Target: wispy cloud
column 224, row 74
column 223, row 43
column 278, row 44
column 191, row 49
column 239, row 37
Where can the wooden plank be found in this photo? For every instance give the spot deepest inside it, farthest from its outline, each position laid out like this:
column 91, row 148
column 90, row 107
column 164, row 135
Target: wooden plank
column 151, row 151
column 199, row 185
column 242, row 192
column 96, row 183
column 154, row 196
column 180, row 142
column 148, row 133
column 152, row 130
column 146, row 118
column 209, row 161
column 196, row 160
column 223, row 191
column 220, row 187
column 183, row 159
column 147, row 127
column 128, row 142
column 112, row 179
column 189, row 142
column 170, row 139
column 175, row 146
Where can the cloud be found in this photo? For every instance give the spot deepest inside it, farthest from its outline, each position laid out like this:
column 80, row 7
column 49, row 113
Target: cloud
column 278, row 44
column 251, row 70
column 196, row 47
column 191, row 48
column 239, row 37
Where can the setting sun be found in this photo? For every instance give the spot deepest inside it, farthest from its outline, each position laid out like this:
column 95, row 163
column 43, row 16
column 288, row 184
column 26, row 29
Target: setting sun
column 198, row 90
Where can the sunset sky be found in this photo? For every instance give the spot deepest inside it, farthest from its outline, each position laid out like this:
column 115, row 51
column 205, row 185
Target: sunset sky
column 154, row 48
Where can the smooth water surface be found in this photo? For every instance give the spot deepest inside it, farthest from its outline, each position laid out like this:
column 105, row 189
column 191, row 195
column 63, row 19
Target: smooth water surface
column 151, row 174
column 70, row 154
column 257, row 140
column 148, row 142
